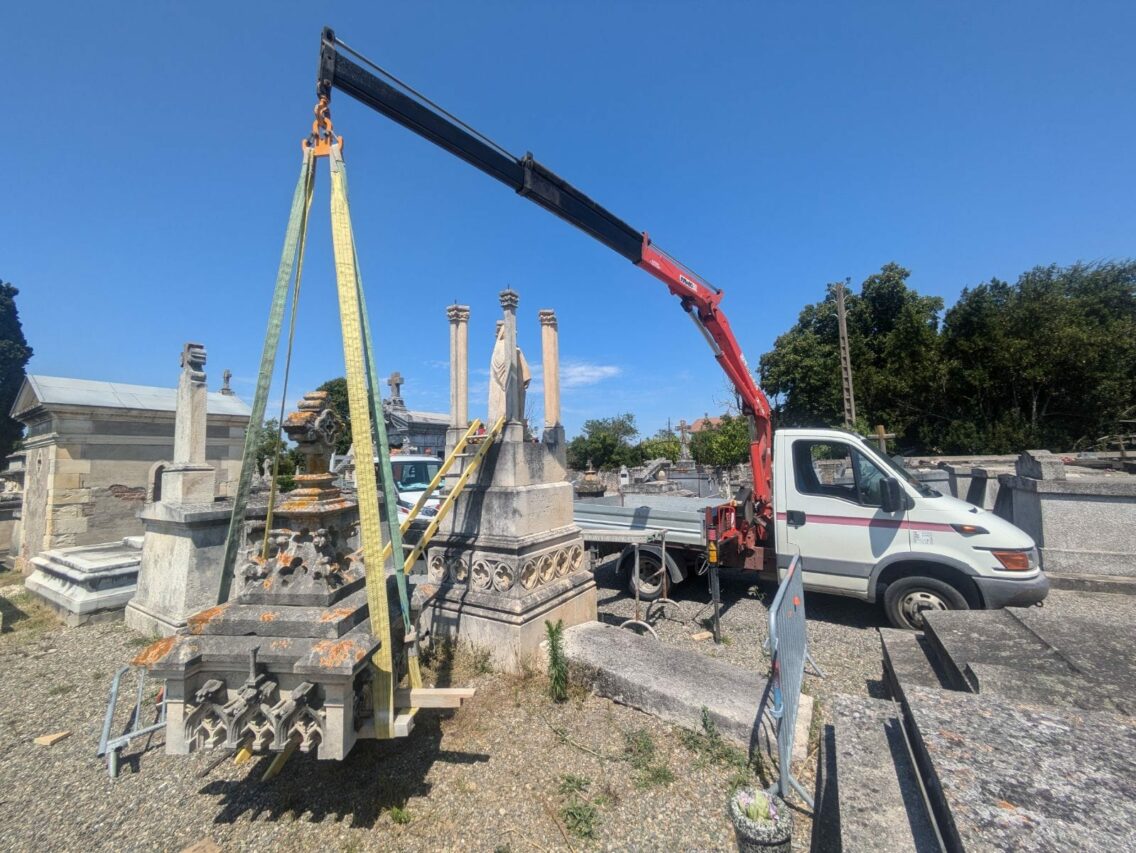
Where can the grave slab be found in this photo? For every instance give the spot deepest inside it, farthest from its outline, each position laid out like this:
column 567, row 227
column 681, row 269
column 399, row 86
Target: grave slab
column 1014, row 776
column 877, row 794
column 675, row 684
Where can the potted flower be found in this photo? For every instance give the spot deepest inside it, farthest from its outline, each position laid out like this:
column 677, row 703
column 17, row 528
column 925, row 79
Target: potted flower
column 762, row 822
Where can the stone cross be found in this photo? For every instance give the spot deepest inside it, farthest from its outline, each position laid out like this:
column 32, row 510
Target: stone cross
column 395, row 383
column 225, row 377
column 189, row 420
column 550, row 352
column 882, row 437
column 459, row 365
column 683, row 439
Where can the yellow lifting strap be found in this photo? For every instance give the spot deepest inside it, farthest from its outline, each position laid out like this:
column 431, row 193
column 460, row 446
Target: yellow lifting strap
column 370, row 530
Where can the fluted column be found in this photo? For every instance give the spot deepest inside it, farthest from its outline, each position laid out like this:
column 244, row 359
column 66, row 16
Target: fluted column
column 513, row 405
column 459, row 365
column 550, row 357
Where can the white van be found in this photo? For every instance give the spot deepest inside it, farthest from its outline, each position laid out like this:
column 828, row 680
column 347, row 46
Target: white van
column 863, row 526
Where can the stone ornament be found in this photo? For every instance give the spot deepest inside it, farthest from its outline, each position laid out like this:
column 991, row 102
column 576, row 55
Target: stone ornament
column 563, row 562
column 481, row 577
column 459, row 570
column 437, row 569
column 530, row 574
column 503, row 577
column 547, row 568
column 576, row 557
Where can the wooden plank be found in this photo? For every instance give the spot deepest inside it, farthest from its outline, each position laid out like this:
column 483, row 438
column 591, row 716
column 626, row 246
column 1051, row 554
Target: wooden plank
column 52, row 739
column 280, row 760
column 432, row 697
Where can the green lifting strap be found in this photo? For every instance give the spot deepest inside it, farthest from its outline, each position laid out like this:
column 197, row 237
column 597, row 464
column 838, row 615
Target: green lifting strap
column 289, row 261
column 386, row 475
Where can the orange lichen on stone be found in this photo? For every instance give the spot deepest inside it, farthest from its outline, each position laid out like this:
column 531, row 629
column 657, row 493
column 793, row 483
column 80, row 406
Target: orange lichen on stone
column 270, row 616
column 279, row 645
column 198, row 621
column 336, row 653
column 155, row 651
column 337, row 613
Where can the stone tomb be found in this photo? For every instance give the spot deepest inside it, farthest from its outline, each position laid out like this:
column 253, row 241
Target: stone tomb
column 509, row 556
column 288, row 658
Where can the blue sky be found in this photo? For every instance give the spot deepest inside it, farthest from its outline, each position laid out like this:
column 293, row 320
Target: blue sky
column 773, row 147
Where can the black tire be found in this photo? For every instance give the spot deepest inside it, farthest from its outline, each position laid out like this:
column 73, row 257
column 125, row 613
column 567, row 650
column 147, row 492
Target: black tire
column 650, row 575
column 906, row 599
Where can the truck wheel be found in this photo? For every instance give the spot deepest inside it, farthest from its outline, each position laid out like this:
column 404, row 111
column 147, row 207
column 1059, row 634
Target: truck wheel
column 906, row 600
column 650, row 575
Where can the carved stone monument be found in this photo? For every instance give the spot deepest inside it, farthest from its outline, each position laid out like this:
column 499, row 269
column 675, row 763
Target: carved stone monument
column 509, row 556
column 288, row 658
column 184, row 538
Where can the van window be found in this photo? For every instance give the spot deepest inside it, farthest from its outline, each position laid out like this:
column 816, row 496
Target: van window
column 836, row 470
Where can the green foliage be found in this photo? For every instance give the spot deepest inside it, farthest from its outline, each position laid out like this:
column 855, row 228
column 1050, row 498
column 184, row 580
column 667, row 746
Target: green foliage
column 14, row 356
column 572, row 784
column 759, row 810
column 606, row 443
column 557, row 662
column 337, row 398
column 662, row 445
column 580, row 818
column 400, row 815
column 654, row 776
column 1049, row 361
column 723, row 445
column 639, row 748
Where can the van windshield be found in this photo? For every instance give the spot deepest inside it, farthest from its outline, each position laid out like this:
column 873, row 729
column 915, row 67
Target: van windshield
column 906, row 476
column 414, row 476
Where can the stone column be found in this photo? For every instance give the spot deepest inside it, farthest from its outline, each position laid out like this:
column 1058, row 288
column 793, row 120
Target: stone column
column 459, row 365
column 550, row 352
column 190, row 480
column 189, row 420
column 513, row 405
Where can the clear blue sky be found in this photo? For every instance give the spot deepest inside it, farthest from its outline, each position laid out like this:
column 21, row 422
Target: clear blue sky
column 152, row 149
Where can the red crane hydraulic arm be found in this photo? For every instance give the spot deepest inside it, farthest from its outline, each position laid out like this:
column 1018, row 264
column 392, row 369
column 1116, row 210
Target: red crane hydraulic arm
column 383, row 92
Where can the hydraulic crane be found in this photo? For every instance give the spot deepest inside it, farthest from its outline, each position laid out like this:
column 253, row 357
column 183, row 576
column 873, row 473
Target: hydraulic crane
column 340, row 67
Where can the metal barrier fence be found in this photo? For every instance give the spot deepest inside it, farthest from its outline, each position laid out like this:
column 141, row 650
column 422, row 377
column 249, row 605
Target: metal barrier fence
column 788, row 647
column 112, row 747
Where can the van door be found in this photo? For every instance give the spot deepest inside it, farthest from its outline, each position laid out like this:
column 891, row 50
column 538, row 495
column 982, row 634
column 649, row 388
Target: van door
column 834, row 518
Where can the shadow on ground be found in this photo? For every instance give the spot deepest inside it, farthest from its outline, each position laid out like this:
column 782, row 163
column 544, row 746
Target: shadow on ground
column 375, row 777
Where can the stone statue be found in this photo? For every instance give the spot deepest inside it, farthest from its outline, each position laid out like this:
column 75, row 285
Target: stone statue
column 499, row 379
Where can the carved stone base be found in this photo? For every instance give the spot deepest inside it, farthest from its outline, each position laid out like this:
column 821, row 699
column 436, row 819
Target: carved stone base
column 511, row 629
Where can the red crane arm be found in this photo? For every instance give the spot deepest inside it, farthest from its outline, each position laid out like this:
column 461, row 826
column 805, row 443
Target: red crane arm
column 701, row 300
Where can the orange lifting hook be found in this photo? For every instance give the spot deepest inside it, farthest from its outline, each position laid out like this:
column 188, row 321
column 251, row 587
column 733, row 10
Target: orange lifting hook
column 322, row 136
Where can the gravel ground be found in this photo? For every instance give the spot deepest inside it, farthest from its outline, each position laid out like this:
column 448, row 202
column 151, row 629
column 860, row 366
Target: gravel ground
column 486, row 777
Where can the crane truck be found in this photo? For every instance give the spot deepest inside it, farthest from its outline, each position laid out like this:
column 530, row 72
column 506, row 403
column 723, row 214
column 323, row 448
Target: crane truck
column 879, row 535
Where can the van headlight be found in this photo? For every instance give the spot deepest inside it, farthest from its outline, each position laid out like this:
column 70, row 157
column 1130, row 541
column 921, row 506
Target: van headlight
column 1017, row 561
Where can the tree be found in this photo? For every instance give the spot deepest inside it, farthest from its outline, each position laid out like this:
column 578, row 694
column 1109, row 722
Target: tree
column 896, row 363
column 1049, row 361
column 722, row 445
column 605, row 443
column 269, row 442
column 662, row 445
column 14, row 356
column 337, row 397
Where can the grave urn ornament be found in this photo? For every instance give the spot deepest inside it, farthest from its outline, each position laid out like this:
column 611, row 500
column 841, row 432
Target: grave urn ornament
column 762, row 822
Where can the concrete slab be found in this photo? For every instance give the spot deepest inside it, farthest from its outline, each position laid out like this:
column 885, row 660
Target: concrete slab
column 877, row 792
column 908, row 661
column 1012, row 776
column 675, row 684
column 1092, row 583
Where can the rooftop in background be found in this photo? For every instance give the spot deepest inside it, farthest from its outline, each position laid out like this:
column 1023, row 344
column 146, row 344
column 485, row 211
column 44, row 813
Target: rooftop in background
column 59, row 391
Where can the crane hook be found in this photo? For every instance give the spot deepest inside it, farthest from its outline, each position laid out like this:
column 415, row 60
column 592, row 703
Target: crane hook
column 323, row 135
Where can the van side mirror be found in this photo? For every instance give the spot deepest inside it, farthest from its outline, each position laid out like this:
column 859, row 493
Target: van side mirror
column 891, row 495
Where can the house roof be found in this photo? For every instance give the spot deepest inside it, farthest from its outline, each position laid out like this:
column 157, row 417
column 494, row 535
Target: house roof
column 39, row 390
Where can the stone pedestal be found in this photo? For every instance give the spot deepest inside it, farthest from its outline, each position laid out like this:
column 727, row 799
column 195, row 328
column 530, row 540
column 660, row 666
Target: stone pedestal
column 87, row 583
column 509, row 557
column 182, row 551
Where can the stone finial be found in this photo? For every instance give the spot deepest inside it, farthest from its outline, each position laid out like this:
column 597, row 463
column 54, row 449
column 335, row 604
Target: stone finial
column 547, row 317
column 225, row 377
column 509, row 299
column 193, row 361
column 314, row 427
column 458, row 313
